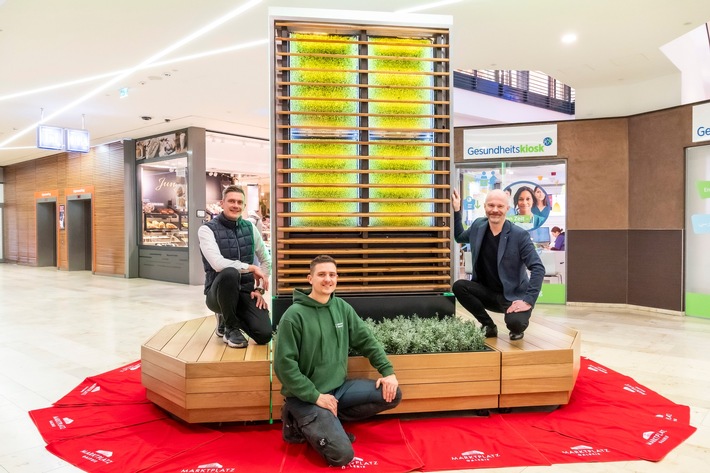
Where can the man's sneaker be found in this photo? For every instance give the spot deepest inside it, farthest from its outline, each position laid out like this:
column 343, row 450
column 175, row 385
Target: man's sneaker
column 235, row 339
column 289, row 431
column 490, row 331
column 516, row 336
column 220, row 325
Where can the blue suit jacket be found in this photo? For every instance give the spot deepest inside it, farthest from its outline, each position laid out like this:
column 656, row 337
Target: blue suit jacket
column 516, row 255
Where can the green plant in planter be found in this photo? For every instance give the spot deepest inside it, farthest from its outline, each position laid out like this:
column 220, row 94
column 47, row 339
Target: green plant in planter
column 410, row 335
column 414, row 172
column 344, row 190
column 322, row 56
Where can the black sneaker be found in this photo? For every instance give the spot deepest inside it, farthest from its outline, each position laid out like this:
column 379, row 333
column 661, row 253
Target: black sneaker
column 289, row 431
column 235, row 339
column 490, row 331
column 220, row 325
column 516, row 336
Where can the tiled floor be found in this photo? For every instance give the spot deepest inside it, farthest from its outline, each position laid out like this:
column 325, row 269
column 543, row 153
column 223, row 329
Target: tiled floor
column 58, row 327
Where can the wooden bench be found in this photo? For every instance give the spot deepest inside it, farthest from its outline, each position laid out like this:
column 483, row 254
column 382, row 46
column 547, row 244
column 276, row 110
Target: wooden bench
column 540, row 369
column 192, row 374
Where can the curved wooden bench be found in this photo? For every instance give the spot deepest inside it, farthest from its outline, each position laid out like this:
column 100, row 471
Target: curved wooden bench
column 540, row 369
column 192, row 374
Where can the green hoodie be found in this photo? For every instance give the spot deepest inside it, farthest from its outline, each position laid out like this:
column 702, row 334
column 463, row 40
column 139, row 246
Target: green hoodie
column 311, row 354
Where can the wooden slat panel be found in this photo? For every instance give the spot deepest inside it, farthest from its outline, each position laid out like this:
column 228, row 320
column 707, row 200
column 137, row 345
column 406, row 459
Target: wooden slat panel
column 227, row 368
column 228, row 414
column 434, row 391
column 163, row 336
column 534, row 399
column 166, row 362
column 551, row 370
column 363, row 251
column 538, row 357
column 181, row 338
column 199, row 341
column 361, row 56
column 165, row 390
column 373, row 240
column 431, row 360
column 368, row 261
column 374, row 269
column 446, row 404
column 214, row 350
column 338, row 28
column 380, row 289
column 436, row 375
column 231, row 384
column 222, row 400
column 359, row 114
column 535, row 385
column 362, row 71
column 257, row 352
column 168, row 377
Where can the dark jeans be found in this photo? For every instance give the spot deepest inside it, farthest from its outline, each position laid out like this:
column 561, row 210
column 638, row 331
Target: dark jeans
column 357, row 399
column 476, row 298
column 238, row 308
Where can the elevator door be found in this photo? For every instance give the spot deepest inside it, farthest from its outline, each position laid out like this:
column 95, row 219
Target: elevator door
column 47, row 233
column 79, row 242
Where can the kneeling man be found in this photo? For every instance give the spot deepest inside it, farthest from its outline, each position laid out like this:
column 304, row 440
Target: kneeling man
column 311, row 361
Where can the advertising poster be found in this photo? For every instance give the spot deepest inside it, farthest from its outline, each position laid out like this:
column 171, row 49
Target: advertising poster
column 537, row 200
column 697, row 232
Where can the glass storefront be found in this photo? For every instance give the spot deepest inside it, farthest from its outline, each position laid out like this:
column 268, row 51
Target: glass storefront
column 164, row 206
column 537, row 191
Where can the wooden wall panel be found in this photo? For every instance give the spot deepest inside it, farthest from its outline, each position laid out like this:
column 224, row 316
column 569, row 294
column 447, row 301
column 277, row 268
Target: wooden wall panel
column 101, row 168
column 597, row 173
column 657, row 144
column 597, row 266
column 109, row 211
column 656, row 269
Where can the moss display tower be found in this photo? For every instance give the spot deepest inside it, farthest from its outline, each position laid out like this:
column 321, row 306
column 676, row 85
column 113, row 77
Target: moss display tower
column 361, row 135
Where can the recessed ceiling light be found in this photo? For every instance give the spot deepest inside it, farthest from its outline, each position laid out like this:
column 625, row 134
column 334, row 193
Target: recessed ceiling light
column 569, row 38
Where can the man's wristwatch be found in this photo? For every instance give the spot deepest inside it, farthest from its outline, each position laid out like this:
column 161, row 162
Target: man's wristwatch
column 260, row 290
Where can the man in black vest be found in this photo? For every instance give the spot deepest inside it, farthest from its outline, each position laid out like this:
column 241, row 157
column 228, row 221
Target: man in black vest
column 234, row 285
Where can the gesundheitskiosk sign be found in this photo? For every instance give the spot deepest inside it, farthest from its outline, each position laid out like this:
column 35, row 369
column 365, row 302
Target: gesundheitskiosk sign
column 701, row 123
column 510, row 142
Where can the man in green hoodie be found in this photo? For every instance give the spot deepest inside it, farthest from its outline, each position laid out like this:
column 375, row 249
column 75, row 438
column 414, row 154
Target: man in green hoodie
column 311, row 361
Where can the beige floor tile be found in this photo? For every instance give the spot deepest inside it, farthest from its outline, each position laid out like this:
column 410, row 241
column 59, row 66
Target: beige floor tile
column 58, row 327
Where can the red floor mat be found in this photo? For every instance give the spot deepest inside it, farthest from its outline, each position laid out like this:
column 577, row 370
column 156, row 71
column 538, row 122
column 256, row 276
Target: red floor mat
column 107, row 425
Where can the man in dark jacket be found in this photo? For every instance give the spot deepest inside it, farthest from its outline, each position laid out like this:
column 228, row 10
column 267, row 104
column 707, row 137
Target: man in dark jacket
column 311, row 361
column 502, row 253
column 234, row 285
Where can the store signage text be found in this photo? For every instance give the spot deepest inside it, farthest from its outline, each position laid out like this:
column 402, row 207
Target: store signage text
column 163, row 183
column 701, row 123
column 505, row 142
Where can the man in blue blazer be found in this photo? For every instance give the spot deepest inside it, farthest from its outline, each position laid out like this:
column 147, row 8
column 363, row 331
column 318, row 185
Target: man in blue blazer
column 502, row 253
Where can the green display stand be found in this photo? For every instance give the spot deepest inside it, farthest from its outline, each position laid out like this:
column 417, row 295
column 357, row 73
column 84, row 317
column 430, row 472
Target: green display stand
column 553, row 294
column 697, row 305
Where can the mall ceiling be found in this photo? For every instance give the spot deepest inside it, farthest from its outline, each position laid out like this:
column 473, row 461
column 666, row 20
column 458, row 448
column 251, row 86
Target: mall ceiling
column 66, row 60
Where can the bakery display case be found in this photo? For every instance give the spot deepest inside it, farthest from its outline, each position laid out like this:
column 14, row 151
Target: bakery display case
column 165, row 228
column 164, row 219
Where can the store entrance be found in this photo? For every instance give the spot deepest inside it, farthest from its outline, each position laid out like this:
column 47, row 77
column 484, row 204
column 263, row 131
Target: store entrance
column 79, row 234
column 537, row 191
column 47, row 232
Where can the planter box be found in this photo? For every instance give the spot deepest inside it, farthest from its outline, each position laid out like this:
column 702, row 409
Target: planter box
column 192, row 374
column 435, row 382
